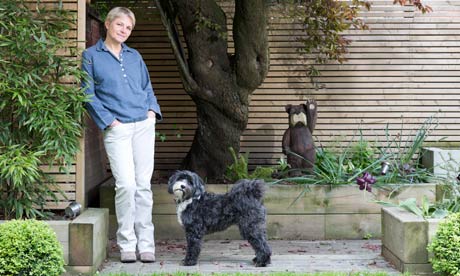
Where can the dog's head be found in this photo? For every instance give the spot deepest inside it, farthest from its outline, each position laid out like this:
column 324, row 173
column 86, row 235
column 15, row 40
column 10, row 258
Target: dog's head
column 185, row 185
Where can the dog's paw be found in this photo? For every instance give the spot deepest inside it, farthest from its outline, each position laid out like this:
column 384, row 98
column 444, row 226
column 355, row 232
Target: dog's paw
column 186, row 262
column 259, row 263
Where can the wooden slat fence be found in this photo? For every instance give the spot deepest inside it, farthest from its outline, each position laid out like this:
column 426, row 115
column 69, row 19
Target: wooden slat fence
column 403, row 70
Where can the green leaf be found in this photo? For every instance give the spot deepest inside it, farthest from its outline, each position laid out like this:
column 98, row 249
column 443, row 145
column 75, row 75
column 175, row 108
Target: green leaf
column 410, row 205
column 386, row 203
column 440, row 213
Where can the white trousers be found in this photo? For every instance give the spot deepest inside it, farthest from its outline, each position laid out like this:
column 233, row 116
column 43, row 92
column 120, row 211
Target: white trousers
column 130, row 148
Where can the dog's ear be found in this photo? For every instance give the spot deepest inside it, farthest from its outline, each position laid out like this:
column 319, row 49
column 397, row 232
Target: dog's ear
column 198, row 184
column 173, row 179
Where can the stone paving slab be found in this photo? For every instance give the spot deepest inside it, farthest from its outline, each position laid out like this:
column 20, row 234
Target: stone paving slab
column 235, row 256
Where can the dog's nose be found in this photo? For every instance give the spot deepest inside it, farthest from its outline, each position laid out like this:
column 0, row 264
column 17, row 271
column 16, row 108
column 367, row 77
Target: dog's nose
column 182, row 186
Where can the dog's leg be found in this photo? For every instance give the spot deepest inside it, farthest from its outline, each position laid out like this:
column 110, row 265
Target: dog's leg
column 193, row 248
column 262, row 249
column 257, row 237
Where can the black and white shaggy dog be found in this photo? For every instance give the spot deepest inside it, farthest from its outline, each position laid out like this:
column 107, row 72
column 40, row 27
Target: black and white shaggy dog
column 201, row 213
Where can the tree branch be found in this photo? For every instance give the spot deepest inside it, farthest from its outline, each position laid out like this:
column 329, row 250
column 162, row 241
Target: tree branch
column 168, row 17
column 251, row 43
column 204, row 24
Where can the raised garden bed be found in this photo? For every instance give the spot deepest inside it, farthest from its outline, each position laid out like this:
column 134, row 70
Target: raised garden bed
column 320, row 212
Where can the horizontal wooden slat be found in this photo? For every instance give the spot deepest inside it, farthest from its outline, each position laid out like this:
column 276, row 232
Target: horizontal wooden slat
column 54, row 4
column 60, row 205
column 64, row 196
column 66, row 187
column 63, row 177
column 55, row 169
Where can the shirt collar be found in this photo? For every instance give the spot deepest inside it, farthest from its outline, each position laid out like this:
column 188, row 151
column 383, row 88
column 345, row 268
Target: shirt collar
column 100, row 46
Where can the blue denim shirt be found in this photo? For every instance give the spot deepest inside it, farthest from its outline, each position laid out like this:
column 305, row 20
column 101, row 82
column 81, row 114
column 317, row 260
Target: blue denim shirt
column 119, row 88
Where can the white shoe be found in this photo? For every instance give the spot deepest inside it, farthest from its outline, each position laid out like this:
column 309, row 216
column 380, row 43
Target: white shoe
column 128, row 257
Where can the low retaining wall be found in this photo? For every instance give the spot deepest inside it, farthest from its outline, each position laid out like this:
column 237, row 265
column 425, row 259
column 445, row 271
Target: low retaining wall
column 312, row 212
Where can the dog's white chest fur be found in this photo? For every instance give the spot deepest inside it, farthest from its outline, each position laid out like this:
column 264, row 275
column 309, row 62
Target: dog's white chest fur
column 180, row 208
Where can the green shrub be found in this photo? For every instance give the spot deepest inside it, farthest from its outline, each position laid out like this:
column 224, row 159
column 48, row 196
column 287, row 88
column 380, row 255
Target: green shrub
column 264, row 173
column 41, row 103
column 239, row 168
column 446, row 246
column 29, row 247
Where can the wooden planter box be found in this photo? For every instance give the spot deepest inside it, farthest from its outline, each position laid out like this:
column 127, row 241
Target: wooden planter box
column 405, row 237
column 312, row 212
column 83, row 240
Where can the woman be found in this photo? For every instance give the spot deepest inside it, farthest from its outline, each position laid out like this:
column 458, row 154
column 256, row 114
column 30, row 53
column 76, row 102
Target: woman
column 124, row 106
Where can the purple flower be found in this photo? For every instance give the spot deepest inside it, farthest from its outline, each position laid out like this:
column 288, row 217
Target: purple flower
column 368, row 178
column 369, row 188
column 366, row 181
column 360, row 181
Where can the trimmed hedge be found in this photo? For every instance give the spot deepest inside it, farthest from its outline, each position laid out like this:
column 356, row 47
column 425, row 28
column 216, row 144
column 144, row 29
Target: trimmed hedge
column 446, row 246
column 29, row 247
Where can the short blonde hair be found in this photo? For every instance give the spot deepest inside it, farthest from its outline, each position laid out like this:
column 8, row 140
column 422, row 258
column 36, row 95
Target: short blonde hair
column 117, row 12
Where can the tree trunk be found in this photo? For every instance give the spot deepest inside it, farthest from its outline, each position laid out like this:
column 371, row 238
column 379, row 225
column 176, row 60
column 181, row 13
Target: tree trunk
column 220, row 84
column 216, row 133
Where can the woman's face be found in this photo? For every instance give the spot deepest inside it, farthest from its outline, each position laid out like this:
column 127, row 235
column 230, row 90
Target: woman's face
column 119, row 29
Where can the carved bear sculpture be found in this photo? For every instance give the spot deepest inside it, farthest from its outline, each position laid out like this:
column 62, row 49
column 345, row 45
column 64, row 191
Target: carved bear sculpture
column 298, row 138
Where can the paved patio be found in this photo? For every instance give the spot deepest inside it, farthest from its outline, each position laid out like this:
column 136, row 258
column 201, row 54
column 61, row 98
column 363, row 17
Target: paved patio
column 235, row 256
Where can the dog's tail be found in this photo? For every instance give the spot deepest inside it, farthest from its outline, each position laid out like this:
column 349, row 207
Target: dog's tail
column 250, row 187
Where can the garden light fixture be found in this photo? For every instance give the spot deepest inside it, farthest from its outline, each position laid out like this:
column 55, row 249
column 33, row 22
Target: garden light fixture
column 73, row 210
column 385, row 167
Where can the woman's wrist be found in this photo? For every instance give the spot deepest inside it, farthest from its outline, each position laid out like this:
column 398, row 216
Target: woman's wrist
column 151, row 114
column 115, row 123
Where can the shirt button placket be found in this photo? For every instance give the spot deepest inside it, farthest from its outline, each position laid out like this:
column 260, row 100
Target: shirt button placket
column 123, row 68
